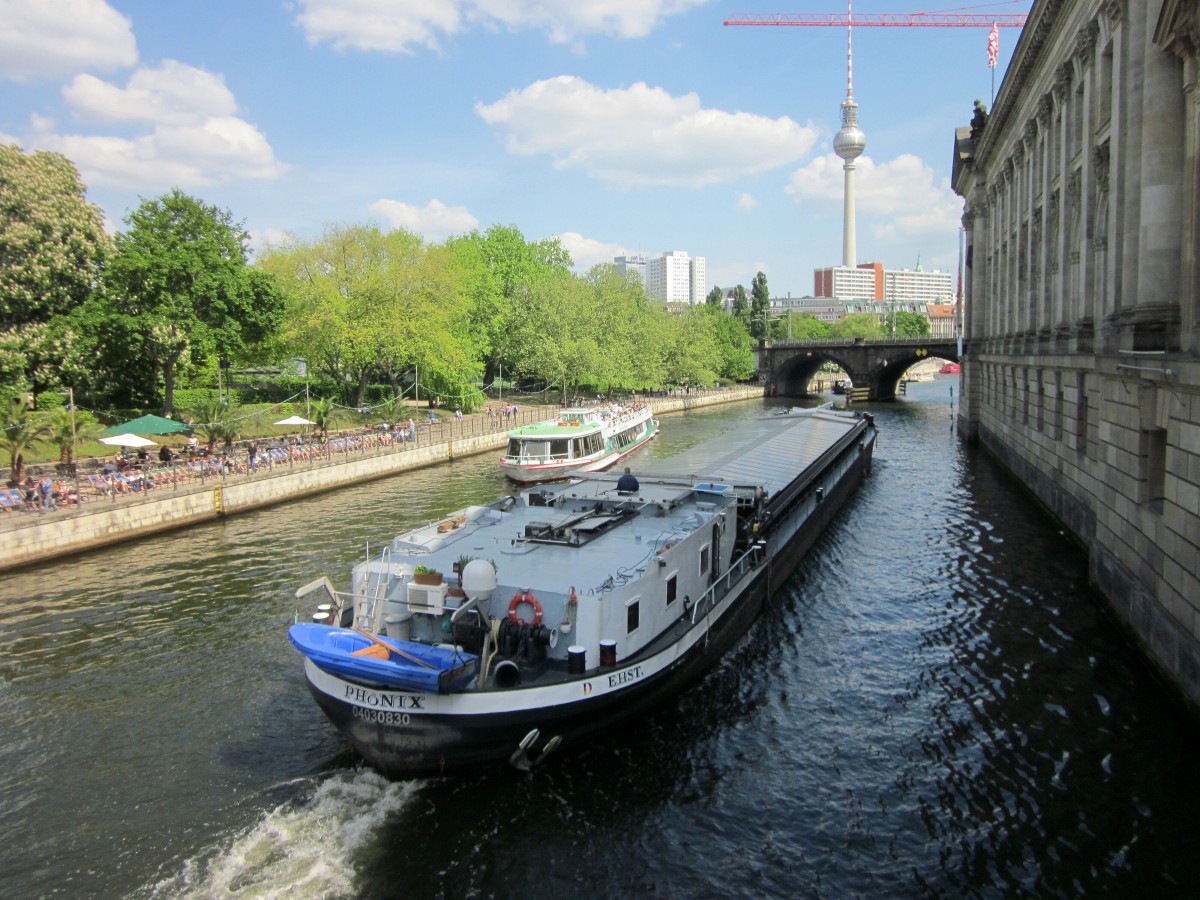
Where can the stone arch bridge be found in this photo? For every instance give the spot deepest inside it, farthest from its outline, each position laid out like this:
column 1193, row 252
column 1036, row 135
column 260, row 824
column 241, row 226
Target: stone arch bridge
column 873, row 364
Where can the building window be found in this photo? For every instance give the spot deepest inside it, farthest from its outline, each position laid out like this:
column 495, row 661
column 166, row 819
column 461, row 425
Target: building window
column 1153, row 451
column 1081, row 416
column 632, row 615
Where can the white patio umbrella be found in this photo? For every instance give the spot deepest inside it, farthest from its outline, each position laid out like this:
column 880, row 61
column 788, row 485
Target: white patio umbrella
column 128, row 440
column 295, row 420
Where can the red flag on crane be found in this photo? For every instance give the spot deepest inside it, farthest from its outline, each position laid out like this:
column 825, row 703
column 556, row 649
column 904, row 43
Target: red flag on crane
column 993, row 46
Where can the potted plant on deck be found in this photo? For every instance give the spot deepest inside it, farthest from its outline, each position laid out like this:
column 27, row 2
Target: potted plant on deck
column 426, row 575
column 459, row 565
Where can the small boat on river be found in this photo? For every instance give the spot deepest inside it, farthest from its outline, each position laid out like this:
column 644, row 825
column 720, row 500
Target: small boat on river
column 551, row 617
column 587, row 439
column 950, row 368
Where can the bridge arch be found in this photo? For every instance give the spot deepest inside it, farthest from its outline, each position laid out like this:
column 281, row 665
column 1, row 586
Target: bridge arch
column 876, row 365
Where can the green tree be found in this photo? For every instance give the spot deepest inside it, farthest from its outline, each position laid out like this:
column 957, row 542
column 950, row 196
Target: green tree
column 910, row 324
column 715, row 296
column 741, row 306
column 52, row 253
column 501, row 270
column 181, row 290
column 760, row 307
column 805, row 326
column 733, row 343
column 857, row 325
column 364, row 304
column 691, row 353
column 52, row 241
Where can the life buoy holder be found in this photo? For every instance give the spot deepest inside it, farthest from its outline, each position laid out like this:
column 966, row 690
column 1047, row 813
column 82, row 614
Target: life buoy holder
column 525, row 597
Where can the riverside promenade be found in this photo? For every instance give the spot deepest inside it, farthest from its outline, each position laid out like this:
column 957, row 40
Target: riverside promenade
column 28, row 536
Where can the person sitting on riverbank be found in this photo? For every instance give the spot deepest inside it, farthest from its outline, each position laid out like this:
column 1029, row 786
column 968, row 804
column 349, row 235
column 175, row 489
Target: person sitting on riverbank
column 65, row 494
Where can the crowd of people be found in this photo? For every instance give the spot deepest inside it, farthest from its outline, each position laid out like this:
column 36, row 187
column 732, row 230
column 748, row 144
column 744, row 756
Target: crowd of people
column 135, row 471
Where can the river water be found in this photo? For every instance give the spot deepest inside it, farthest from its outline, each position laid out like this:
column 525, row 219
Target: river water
column 934, row 706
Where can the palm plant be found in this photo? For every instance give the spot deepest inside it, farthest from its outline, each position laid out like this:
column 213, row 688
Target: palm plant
column 66, row 434
column 324, row 415
column 216, row 420
column 21, row 432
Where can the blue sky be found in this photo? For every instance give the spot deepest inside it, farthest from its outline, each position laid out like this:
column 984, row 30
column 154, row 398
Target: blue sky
column 617, row 126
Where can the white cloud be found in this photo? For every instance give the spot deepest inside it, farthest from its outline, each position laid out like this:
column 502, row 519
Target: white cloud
column 213, row 152
column 746, row 202
column 640, row 135
column 392, row 26
column 173, row 93
column 901, row 196
column 587, row 252
column 434, row 221
column 53, row 38
column 194, row 137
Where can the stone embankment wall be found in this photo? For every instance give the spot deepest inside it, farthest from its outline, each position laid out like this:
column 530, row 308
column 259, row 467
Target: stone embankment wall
column 1083, row 309
column 30, row 537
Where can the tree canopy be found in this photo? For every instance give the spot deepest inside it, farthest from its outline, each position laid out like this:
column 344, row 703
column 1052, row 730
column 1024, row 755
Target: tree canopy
column 52, row 241
column 52, row 253
column 180, row 289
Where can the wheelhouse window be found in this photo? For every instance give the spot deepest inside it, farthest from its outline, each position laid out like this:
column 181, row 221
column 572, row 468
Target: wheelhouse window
column 705, row 552
column 672, row 589
column 535, row 449
column 632, row 615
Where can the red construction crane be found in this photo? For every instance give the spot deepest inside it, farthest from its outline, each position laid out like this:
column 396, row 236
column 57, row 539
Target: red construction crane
column 870, row 20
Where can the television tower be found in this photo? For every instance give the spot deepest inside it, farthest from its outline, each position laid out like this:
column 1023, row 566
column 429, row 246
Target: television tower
column 849, row 143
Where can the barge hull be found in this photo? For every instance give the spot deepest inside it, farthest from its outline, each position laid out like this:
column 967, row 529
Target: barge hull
column 405, row 735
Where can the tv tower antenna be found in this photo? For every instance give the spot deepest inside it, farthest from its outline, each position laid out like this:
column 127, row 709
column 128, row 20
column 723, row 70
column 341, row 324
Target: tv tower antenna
column 849, row 143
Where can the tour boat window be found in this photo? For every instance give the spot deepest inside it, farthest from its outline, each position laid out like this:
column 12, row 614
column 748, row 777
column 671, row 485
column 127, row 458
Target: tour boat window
column 514, row 447
column 536, row 449
column 558, row 449
column 632, row 615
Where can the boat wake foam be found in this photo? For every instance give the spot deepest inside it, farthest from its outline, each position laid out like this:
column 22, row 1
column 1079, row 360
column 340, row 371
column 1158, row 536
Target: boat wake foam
column 301, row 848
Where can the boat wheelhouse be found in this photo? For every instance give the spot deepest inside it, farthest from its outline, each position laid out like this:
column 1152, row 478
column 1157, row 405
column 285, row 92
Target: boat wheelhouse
column 586, row 439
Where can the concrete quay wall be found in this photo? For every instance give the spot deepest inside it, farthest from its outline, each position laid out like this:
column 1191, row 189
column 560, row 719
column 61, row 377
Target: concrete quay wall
column 101, row 523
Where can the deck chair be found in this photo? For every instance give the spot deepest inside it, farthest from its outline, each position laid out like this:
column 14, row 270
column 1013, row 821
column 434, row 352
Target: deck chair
column 16, row 499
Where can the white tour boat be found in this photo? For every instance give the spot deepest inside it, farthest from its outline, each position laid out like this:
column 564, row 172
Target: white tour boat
column 588, row 439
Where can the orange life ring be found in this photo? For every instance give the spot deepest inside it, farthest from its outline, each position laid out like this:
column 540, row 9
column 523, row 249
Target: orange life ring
column 525, row 597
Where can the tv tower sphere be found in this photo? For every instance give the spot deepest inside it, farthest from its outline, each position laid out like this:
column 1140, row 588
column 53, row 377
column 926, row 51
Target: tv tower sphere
column 850, row 142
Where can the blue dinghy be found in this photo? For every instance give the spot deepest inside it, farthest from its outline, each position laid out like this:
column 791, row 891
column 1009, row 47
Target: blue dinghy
column 389, row 662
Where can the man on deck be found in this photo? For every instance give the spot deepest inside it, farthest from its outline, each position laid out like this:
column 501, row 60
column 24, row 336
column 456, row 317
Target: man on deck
column 627, row 483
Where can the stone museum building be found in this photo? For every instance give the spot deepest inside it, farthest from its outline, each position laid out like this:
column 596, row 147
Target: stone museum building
column 1082, row 325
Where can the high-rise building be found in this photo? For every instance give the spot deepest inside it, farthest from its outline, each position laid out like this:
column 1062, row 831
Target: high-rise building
column 871, row 281
column 926, row 287
column 863, row 282
column 674, row 277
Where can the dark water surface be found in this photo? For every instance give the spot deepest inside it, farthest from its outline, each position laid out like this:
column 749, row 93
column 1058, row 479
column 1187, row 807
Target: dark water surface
column 935, row 706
